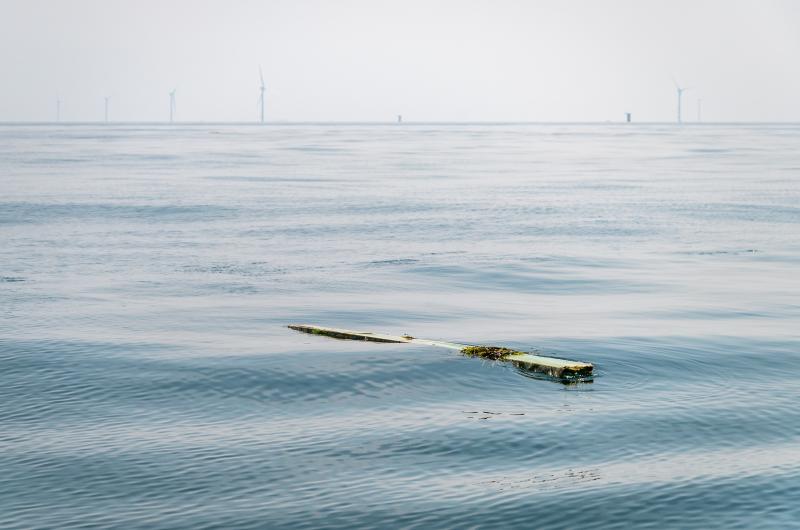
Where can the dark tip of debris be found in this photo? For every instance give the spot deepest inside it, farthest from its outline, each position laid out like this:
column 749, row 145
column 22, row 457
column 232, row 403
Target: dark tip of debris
column 494, row 353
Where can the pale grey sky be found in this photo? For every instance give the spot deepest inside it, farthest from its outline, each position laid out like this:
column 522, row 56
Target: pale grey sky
column 350, row 60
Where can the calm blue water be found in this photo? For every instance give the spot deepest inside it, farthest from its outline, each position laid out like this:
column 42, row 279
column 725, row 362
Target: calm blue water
column 148, row 380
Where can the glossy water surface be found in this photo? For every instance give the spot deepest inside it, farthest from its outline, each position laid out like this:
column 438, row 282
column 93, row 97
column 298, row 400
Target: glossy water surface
column 148, row 380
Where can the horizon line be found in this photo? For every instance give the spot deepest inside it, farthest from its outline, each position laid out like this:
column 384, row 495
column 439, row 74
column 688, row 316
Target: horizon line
column 389, row 123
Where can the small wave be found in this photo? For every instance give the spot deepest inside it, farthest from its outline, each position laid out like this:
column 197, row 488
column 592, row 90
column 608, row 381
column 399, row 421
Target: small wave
column 735, row 252
column 398, row 261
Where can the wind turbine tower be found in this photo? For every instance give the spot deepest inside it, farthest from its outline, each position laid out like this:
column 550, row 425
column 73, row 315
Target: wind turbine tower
column 58, row 109
column 171, row 105
column 699, row 110
column 106, row 109
column 680, row 90
column 263, row 89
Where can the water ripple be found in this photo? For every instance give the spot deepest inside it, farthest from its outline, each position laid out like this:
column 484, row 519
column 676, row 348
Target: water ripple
column 148, row 380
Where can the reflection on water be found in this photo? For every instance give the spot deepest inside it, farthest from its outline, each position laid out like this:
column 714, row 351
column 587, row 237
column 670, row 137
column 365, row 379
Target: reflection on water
column 148, row 380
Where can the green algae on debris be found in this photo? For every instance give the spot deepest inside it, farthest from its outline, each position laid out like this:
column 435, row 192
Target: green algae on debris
column 494, row 353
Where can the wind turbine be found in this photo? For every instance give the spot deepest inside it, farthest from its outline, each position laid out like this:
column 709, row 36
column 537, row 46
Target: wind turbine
column 171, row 104
column 106, row 113
column 680, row 95
column 699, row 110
column 58, row 109
column 263, row 88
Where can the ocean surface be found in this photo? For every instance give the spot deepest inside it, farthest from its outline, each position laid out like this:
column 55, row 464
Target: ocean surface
column 148, row 273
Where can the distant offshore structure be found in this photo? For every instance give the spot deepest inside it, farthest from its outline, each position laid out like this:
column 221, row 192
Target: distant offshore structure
column 399, row 118
column 106, row 98
column 263, row 89
column 680, row 91
column 58, row 109
column 628, row 117
column 172, row 107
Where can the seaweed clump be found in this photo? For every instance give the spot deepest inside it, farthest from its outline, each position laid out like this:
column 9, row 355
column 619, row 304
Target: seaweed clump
column 493, row 353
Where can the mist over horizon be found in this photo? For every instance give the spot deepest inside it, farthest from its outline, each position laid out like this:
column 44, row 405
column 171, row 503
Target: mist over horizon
column 358, row 61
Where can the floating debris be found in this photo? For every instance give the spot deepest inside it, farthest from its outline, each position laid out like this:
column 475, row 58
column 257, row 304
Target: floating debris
column 559, row 368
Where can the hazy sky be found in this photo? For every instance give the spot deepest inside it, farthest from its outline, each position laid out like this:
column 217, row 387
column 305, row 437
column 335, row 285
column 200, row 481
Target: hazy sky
column 517, row 60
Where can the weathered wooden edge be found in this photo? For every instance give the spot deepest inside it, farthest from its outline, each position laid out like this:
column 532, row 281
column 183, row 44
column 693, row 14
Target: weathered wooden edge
column 348, row 334
column 551, row 366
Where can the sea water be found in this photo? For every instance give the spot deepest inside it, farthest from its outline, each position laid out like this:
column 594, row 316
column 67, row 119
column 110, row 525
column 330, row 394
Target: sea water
column 148, row 272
